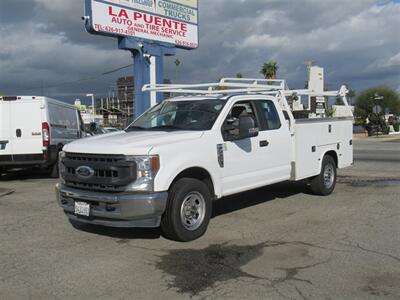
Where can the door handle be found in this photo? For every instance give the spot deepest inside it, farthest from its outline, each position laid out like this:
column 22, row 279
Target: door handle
column 18, row 133
column 264, row 143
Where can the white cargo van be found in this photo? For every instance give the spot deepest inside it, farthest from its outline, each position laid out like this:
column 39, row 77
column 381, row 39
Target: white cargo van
column 33, row 130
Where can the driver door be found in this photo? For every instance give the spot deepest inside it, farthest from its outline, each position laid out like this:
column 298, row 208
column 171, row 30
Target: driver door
column 240, row 169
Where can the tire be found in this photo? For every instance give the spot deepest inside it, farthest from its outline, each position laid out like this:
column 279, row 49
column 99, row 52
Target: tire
column 325, row 182
column 187, row 225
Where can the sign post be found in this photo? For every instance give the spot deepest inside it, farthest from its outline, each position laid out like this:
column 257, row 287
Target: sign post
column 150, row 30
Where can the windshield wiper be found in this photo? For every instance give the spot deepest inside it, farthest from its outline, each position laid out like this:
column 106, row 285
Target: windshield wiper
column 166, row 127
column 133, row 128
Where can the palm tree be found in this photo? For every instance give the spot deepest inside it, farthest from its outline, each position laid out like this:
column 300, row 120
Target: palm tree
column 269, row 69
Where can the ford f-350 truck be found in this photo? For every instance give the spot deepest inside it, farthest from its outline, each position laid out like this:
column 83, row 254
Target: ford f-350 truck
column 216, row 140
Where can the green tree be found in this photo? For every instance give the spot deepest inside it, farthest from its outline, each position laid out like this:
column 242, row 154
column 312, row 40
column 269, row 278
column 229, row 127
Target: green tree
column 390, row 100
column 269, row 69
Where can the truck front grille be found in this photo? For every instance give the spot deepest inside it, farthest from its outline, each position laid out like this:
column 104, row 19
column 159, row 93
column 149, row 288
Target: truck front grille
column 110, row 173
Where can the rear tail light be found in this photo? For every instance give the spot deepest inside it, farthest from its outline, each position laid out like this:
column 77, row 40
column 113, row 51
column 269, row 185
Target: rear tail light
column 46, row 134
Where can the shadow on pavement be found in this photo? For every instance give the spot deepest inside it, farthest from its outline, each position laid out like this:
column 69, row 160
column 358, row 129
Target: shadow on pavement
column 25, row 174
column 220, row 207
column 240, row 201
column 119, row 233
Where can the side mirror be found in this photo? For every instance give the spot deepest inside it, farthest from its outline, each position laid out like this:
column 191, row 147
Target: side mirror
column 247, row 127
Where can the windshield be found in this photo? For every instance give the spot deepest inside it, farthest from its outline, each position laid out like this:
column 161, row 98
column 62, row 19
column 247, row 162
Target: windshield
column 180, row 115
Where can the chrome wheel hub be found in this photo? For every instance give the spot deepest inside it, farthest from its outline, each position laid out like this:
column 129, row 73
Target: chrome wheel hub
column 329, row 176
column 193, row 211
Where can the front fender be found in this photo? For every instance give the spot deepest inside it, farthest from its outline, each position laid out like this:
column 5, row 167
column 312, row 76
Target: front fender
column 167, row 175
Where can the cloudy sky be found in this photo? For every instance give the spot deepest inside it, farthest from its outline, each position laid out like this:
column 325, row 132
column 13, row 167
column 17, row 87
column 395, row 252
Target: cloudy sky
column 43, row 45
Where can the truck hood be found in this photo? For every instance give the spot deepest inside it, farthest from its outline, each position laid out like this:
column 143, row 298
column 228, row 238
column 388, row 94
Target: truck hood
column 129, row 143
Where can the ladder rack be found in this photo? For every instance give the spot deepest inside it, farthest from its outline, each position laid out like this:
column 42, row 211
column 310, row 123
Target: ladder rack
column 228, row 86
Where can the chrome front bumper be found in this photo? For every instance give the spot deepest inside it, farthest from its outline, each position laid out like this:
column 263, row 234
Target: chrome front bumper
column 114, row 210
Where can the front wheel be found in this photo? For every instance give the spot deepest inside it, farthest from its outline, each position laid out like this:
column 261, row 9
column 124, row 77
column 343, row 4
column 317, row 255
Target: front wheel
column 188, row 210
column 325, row 182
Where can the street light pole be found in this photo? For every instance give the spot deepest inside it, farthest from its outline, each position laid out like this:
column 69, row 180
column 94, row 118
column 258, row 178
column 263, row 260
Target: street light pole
column 376, row 99
column 93, row 108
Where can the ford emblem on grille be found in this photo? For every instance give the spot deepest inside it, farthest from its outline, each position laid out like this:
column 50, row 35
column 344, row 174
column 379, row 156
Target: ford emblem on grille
column 85, row 172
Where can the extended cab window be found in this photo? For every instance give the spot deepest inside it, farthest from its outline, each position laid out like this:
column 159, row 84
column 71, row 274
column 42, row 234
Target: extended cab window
column 270, row 117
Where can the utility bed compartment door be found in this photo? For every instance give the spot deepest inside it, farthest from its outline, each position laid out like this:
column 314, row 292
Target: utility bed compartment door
column 315, row 137
column 26, row 127
column 5, row 128
column 306, row 157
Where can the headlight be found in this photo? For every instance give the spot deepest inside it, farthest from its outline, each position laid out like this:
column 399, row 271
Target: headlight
column 147, row 168
column 61, row 166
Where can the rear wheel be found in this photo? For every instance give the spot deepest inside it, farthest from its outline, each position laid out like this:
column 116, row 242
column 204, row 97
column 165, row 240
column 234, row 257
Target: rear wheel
column 325, row 182
column 188, row 210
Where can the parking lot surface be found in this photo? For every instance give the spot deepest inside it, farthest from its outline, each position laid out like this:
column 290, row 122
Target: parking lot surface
column 278, row 242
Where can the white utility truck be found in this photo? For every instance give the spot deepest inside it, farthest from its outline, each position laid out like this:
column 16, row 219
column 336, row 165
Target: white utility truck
column 33, row 130
column 215, row 140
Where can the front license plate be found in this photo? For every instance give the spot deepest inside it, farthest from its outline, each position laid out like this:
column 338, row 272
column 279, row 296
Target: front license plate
column 82, row 209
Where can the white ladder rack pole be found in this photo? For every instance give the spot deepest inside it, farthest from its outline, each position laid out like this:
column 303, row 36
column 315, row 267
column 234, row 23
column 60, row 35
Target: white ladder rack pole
column 283, row 100
column 228, row 86
column 343, row 94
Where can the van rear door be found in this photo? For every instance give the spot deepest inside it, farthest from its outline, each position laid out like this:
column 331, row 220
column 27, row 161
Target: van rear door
column 5, row 128
column 26, row 126
column 64, row 123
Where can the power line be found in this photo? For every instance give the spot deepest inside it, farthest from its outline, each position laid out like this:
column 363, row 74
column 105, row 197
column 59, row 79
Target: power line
column 80, row 80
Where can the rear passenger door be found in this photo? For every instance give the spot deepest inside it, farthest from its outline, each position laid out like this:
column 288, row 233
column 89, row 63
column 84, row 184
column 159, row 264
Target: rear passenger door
column 26, row 127
column 274, row 141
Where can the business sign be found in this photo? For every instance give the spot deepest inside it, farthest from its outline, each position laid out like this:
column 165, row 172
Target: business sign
column 320, row 105
column 173, row 22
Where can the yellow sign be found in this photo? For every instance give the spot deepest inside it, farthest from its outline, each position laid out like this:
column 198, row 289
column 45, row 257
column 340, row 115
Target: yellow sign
column 191, row 3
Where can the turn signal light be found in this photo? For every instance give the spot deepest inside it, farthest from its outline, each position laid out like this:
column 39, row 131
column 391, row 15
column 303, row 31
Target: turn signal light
column 155, row 163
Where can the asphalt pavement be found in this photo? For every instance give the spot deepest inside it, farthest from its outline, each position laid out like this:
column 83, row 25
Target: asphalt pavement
column 278, row 242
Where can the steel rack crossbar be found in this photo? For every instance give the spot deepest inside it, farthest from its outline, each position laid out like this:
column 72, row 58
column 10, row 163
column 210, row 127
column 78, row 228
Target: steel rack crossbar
column 240, row 85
